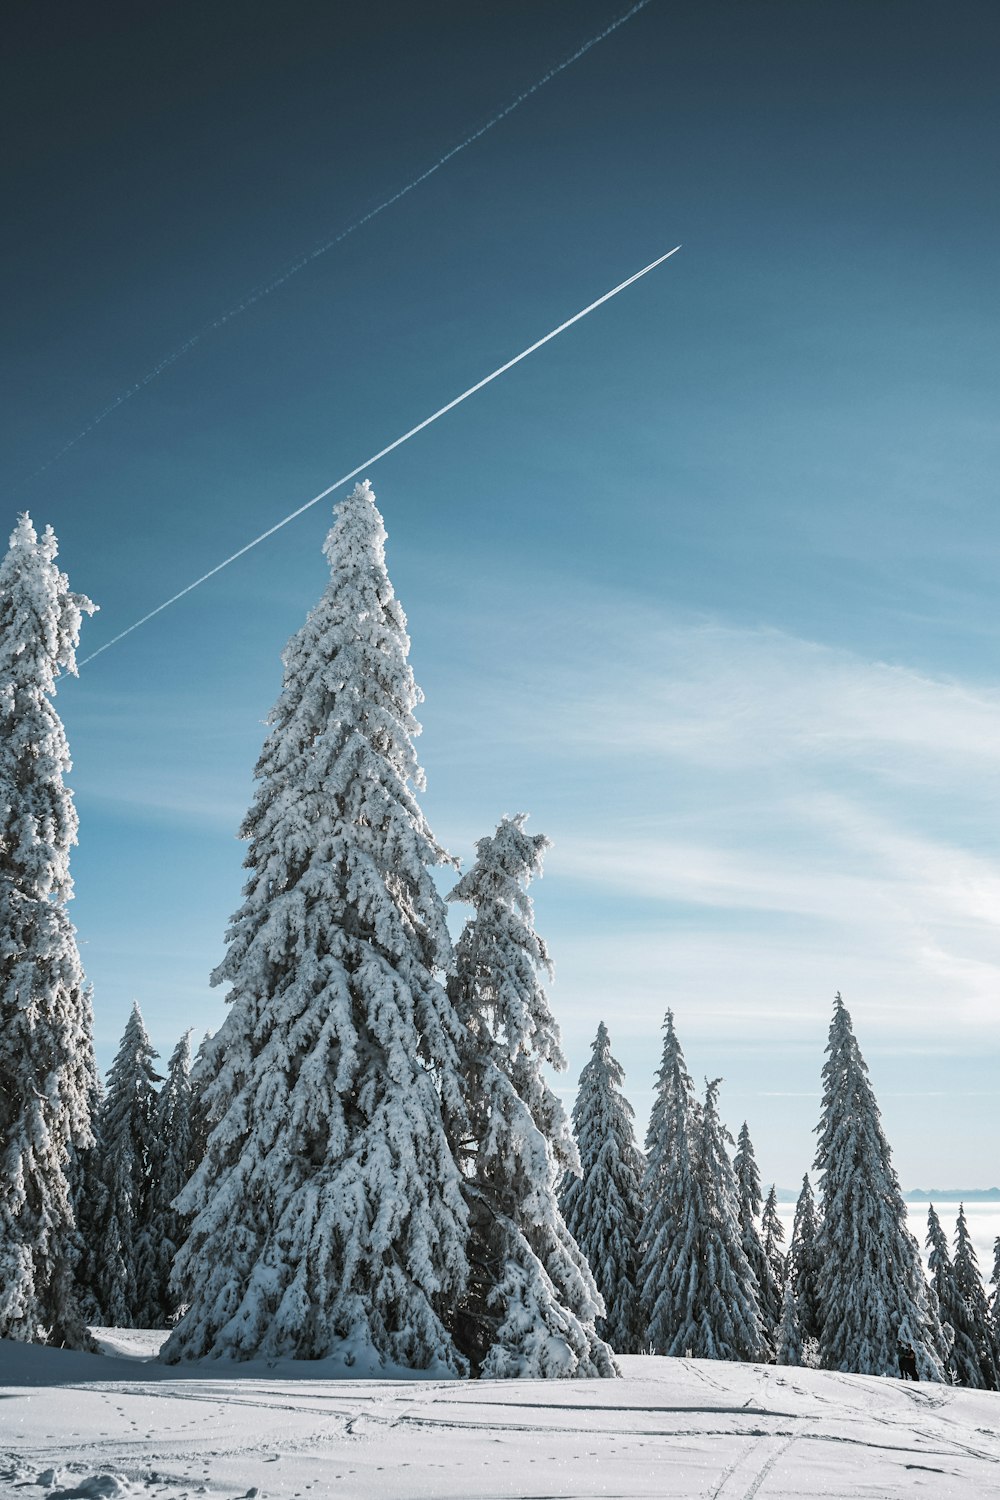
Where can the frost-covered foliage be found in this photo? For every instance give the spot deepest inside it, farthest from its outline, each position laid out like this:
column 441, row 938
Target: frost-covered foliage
column 603, row 1208
column 532, row 1301
column 125, row 1139
column 802, row 1263
column 748, row 1212
column 716, row 1313
column 328, row 1211
column 871, row 1283
column 170, row 1166
column 969, row 1285
column 47, row 1070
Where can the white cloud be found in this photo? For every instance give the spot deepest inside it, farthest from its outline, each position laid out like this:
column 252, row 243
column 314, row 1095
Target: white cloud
column 764, row 818
column 737, row 699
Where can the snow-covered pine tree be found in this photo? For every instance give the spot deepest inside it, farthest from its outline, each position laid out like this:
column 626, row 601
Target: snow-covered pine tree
column 666, row 1187
column 789, row 1345
column 329, row 1219
column 748, row 1209
column 970, row 1289
column 125, row 1133
column 201, row 1077
column 170, row 1165
column 715, row 1291
column 532, row 1301
column 773, row 1237
column 747, row 1181
column 87, row 1198
column 46, row 1025
column 871, row 1282
column 803, row 1263
column 603, row 1207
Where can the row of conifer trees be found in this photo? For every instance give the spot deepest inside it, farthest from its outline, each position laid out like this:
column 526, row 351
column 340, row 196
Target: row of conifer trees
column 686, row 1251
column 689, row 1255
column 366, row 1161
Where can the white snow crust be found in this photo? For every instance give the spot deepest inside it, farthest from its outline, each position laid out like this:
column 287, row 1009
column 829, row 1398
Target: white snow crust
column 74, row 1424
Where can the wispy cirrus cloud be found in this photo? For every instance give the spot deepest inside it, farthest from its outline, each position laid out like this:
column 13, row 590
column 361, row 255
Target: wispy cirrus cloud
column 771, row 818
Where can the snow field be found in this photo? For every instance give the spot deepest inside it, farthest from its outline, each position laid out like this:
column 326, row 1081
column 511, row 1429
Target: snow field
column 90, row 1426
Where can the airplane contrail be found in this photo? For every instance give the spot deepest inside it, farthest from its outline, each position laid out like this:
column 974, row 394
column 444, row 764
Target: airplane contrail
column 257, row 294
column 397, row 443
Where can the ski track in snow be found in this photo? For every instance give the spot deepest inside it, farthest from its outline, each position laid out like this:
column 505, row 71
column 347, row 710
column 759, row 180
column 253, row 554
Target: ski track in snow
column 669, row 1429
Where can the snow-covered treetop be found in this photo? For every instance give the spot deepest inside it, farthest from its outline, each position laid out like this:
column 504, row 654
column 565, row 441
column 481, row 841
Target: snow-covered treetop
column 771, row 1226
column 39, row 631
column 499, row 951
column 718, row 1179
column 804, row 1225
column 602, row 1075
column 39, row 614
column 602, row 1123
column 937, row 1242
column 966, row 1261
column 130, row 1090
column 674, row 1099
column 747, row 1177
column 850, row 1128
column 338, row 769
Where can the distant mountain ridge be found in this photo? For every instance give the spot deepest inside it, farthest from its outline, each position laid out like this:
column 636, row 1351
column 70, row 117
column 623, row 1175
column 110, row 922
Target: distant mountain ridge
column 953, row 1195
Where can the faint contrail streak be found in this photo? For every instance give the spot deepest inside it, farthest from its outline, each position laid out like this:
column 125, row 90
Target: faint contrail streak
column 345, row 478
column 257, row 294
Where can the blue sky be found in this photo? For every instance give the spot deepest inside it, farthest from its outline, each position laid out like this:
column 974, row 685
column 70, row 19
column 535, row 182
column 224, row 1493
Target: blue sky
column 706, row 586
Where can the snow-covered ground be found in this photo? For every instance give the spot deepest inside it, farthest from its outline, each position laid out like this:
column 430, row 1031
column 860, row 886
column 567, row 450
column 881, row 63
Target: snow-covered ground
column 91, row 1426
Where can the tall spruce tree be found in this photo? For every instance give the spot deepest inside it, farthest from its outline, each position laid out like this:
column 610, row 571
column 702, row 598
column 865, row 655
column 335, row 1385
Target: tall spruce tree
column 603, row 1208
column 803, row 1263
column 532, row 1300
column 47, row 1070
column 170, row 1166
column 717, row 1315
column 970, row 1288
column 871, row 1282
column 328, row 1212
column 666, row 1187
column 125, row 1144
column 748, row 1210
